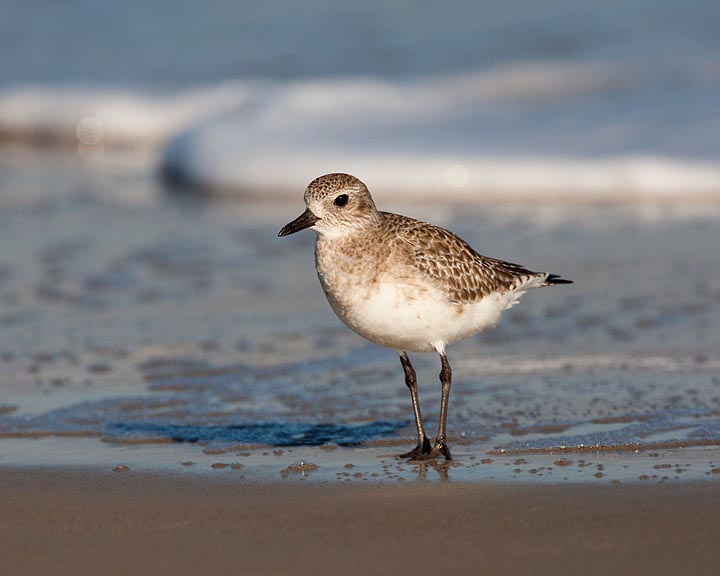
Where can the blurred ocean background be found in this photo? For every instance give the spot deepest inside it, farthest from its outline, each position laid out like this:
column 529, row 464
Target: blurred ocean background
column 459, row 98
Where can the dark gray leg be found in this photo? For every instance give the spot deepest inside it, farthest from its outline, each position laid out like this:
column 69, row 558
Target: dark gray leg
column 445, row 379
column 423, row 445
column 440, row 448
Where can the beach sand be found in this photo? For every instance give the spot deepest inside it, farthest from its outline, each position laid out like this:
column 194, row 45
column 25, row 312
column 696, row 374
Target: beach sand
column 75, row 521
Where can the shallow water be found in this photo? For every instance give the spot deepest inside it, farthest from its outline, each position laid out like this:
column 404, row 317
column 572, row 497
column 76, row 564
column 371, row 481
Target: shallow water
column 147, row 329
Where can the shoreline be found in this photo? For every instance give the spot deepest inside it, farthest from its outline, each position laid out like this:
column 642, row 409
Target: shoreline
column 473, row 463
column 84, row 522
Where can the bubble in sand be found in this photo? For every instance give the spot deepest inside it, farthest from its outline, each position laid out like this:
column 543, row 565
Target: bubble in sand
column 121, row 468
column 300, row 467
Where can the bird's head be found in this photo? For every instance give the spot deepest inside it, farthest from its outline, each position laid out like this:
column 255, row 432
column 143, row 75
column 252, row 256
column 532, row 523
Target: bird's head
column 337, row 205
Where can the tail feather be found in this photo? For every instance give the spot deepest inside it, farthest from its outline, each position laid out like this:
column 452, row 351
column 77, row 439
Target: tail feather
column 555, row 279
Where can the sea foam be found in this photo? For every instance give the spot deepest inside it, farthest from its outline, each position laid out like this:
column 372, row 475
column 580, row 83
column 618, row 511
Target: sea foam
column 520, row 130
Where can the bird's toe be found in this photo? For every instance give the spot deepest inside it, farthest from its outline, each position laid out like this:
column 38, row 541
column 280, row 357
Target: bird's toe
column 418, row 452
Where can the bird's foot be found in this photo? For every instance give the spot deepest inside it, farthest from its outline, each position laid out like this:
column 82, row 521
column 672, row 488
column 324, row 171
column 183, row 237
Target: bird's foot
column 417, row 452
column 440, row 449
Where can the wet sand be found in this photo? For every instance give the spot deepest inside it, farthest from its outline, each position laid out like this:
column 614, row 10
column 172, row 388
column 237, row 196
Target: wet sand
column 71, row 521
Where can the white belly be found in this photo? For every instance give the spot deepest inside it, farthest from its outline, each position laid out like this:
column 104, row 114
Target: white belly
column 411, row 318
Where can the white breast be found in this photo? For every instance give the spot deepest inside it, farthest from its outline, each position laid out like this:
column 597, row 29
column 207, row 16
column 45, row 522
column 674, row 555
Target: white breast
column 405, row 316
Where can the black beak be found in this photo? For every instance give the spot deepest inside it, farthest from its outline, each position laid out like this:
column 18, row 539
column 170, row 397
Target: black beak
column 305, row 220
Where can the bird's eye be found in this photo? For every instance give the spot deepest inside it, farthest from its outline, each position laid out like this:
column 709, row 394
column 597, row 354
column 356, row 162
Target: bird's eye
column 341, row 200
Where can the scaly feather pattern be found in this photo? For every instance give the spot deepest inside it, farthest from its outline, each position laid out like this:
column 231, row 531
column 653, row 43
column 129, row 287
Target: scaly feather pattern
column 452, row 263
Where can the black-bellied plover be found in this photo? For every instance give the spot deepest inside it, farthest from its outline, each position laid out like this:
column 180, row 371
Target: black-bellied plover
column 406, row 284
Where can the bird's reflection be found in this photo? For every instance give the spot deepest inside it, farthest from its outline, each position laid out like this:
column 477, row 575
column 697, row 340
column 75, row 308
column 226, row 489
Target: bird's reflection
column 441, row 467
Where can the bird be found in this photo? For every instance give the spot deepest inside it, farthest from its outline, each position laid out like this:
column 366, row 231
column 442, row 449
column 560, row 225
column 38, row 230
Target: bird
column 406, row 284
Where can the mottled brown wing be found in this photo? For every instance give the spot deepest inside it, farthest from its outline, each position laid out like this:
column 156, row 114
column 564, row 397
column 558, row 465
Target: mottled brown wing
column 454, row 265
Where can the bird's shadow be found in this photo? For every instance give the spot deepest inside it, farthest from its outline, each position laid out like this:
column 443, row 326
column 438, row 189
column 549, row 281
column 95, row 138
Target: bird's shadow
column 262, row 433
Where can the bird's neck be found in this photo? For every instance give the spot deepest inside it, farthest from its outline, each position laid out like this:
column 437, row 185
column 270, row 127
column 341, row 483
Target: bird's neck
column 350, row 231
